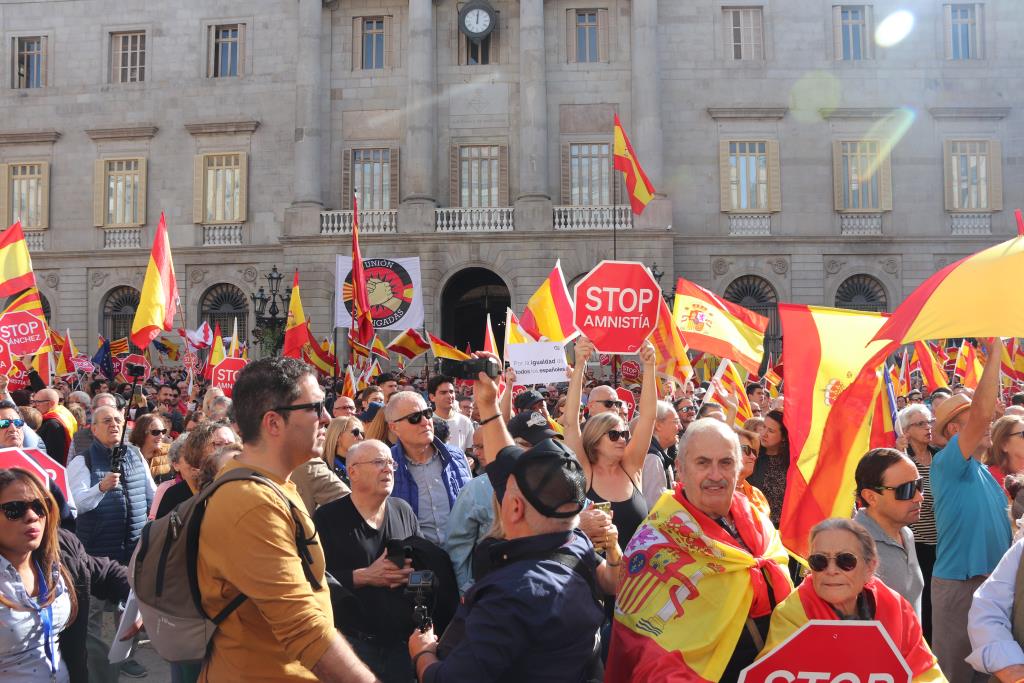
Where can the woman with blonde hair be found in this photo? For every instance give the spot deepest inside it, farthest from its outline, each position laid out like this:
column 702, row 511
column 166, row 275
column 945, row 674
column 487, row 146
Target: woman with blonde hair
column 149, row 435
column 321, row 480
column 378, row 429
column 36, row 597
column 1006, row 454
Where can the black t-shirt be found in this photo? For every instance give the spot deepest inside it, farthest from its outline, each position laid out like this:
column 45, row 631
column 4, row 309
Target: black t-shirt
column 350, row 543
column 172, row 497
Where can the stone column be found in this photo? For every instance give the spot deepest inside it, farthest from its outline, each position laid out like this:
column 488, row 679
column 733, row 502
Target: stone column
column 645, row 124
column 419, row 158
column 533, row 104
column 308, row 95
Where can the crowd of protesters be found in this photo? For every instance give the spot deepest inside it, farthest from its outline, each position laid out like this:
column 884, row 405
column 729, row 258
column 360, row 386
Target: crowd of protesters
column 439, row 529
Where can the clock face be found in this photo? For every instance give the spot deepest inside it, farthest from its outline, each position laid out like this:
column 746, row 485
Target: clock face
column 477, row 21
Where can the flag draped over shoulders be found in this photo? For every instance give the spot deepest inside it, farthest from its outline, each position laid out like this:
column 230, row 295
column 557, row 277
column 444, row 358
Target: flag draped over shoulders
column 688, row 590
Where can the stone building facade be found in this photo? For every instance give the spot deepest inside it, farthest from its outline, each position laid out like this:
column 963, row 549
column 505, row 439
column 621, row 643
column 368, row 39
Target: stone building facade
column 796, row 157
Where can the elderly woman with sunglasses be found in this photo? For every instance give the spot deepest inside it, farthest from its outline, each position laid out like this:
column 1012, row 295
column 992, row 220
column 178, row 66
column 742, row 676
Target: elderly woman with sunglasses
column 149, row 435
column 750, row 444
column 842, row 586
column 319, row 480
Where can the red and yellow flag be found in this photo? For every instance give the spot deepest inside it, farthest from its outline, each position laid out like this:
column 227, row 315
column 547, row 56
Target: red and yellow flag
column 732, row 383
column 296, row 331
column 360, row 353
column 348, row 387
column 233, row 347
column 932, row 372
column 378, row 349
column 120, row 347
column 30, row 302
column 216, row 352
column 159, row 300
column 409, row 344
column 362, row 320
column 720, row 327
column 968, row 367
column 442, row 349
column 319, row 355
column 514, row 332
column 825, row 349
column 641, row 191
column 1006, row 367
column 669, row 347
column 15, row 263
column 549, row 312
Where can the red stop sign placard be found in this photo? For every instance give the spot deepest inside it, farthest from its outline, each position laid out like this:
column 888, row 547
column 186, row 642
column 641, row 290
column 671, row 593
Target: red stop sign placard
column 225, row 372
column 136, row 359
column 627, row 397
column 190, row 360
column 6, row 361
column 825, row 651
column 617, row 306
column 631, row 371
column 23, row 332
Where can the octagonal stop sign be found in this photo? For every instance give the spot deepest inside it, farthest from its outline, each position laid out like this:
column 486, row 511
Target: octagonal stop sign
column 225, row 372
column 617, row 306
column 23, row 332
column 832, row 652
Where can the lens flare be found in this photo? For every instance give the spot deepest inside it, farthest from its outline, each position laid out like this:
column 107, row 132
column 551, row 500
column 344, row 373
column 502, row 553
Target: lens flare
column 813, row 93
column 894, row 28
column 888, row 131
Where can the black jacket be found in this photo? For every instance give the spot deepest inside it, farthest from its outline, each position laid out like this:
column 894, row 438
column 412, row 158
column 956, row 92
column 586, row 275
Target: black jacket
column 98, row 576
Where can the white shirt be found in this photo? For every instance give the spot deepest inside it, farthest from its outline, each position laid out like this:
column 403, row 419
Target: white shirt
column 88, row 497
column 460, row 431
column 23, row 657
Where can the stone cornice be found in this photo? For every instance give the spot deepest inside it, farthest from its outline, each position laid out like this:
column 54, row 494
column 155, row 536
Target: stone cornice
column 28, row 138
column 222, row 127
column 975, row 113
column 122, row 133
column 857, row 112
column 748, row 113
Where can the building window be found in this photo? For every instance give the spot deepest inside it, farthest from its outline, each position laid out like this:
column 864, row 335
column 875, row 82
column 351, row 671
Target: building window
column 373, row 43
column 226, row 51
column 862, row 175
column 478, row 175
column 743, row 32
column 587, row 35
column 963, row 31
column 128, row 57
column 862, row 293
column 590, row 174
column 224, row 304
column 27, row 187
column 478, row 52
column 973, row 175
column 758, row 295
column 122, row 194
column 750, row 175
column 119, row 308
column 221, row 188
column 29, row 62
column 371, row 178
column 853, row 40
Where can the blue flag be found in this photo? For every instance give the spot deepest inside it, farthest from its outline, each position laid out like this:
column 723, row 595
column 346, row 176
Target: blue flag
column 104, row 360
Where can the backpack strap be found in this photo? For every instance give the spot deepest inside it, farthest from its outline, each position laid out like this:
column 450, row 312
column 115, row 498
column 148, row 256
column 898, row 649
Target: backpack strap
column 567, row 559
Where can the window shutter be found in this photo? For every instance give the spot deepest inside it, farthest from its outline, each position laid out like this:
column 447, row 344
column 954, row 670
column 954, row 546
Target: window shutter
column 396, row 176
column 995, row 175
column 346, row 180
column 5, row 194
column 565, row 174
column 947, row 26
column 99, row 193
column 724, row 185
column 603, row 37
column 44, row 210
column 503, row 189
column 947, row 175
column 211, row 31
column 885, row 182
column 198, row 190
column 570, row 36
column 454, row 198
column 979, row 27
column 462, row 43
column 496, row 40
column 357, row 43
column 837, row 32
column 869, row 29
column 44, row 46
column 241, row 50
column 243, row 185
column 837, row 175
column 389, row 42
column 774, row 176
column 142, row 192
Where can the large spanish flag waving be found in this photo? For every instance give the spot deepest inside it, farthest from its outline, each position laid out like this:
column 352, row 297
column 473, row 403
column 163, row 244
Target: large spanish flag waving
column 296, row 332
column 825, row 348
column 442, row 349
column 931, row 369
column 669, row 347
column 641, row 191
column 720, row 327
column 549, row 312
column 15, row 263
column 409, row 344
column 159, row 300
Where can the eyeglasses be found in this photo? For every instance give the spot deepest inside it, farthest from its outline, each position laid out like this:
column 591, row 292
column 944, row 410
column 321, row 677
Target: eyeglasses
column 1008, row 436
column 358, row 433
column 112, row 421
column 415, row 418
column 922, row 423
column 379, row 463
column 157, row 432
column 317, row 406
column 749, row 451
column 4, row 424
column 611, row 404
column 844, row 562
column 16, row 509
column 37, row 401
column 614, row 435
column 904, row 491
column 687, row 409
column 344, row 406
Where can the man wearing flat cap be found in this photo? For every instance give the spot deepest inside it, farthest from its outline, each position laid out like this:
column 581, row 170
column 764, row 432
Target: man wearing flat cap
column 535, row 615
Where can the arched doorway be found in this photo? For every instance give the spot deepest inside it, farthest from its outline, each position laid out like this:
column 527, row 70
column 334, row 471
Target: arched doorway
column 224, row 303
column 118, row 312
column 467, row 299
column 757, row 294
column 862, row 293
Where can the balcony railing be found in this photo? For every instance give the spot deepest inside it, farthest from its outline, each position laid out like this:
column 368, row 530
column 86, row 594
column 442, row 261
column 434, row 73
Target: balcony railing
column 750, row 224
column 35, row 239
column 860, row 224
column 476, row 219
column 370, row 222
column 222, row 235
column 964, row 223
column 122, row 238
column 593, row 217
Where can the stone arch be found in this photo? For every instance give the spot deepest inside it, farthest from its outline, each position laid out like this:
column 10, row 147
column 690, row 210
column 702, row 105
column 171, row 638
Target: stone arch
column 466, row 297
column 760, row 296
column 862, row 292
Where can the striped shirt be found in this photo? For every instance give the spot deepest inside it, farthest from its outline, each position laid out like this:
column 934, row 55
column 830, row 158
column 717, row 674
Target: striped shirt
column 924, row 528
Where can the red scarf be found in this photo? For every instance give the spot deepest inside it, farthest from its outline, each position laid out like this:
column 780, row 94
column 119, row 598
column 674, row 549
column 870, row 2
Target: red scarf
column 756, row 533
column 894, row 613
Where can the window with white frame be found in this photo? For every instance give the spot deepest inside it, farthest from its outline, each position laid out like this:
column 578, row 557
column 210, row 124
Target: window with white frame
column 128, row 57
column 479, row 178
column 863, row 176
column 748, row 176
column 27, row 194
column 221, row 181
column 371, row 178
column 744, row 33
column 963, row 31
column 373, row 38
column 29, row 67
column 974, row 180
column 853, row 27
column 226, row 51
column 125, row 192
column 590, row 174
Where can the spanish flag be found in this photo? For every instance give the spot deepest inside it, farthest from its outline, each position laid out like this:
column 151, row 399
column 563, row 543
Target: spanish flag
column 360, row 353
column 233, row 348
column 720, row 327
column 549, row 312
column 319, row 355
column 442, row 349
column 932, row 372
column 514, row 332
column 825, row 349
column 732, row 383
column 669, row 348
column 159, row 299
column 1009, row 372
column 968, row 367
column 362, row 320
column 378, row 349
column 296, row 333
column 409, row 344
column 641, row 191
column 216, row 352
column 15, row 263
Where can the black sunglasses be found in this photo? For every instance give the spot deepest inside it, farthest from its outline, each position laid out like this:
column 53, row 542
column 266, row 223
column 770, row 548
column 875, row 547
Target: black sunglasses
column 16, row 509
column 903, row 491
column 414, row 418
column 749, row 451
column 318, row 407
column 844, row 562
column 615, row 435
column 157, row 432
column 611, row 404
column 358, row 433
column 17, row 422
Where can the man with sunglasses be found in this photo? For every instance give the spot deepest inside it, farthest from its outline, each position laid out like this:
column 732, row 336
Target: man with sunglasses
column 603, row 399
column 686, row 409
column 59, row 425
column 429, row 473
column 889, row 488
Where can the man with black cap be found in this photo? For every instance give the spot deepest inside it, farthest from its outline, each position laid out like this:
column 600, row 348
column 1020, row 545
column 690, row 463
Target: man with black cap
column 536, row 614
column 531, row 400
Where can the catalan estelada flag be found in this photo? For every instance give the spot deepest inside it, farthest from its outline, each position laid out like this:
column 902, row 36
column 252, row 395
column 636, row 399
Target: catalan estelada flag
column 669, row 347
column 159, row 299
column 409, row 344
column 641, row 191
column 549, row 312
column 15, row 263
column 296, row 333
column 442, row 349
column 824, row 350
column 932, row 371
column 720, row 327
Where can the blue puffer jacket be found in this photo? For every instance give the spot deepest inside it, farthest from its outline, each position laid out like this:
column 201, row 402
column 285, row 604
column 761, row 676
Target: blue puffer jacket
column 113, row 527
column 454, row 468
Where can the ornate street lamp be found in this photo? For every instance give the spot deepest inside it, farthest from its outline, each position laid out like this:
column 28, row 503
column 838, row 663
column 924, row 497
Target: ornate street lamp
column 271, row 312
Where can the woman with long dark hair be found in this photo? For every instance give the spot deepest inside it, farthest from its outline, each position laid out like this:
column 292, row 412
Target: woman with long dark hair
column 772, row 464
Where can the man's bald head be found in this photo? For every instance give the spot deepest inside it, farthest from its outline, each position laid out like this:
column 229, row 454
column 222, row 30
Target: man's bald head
column 600, row 394
column 45, row 400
